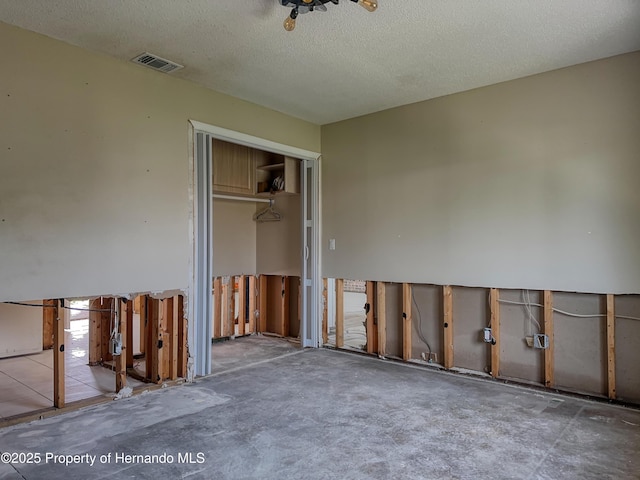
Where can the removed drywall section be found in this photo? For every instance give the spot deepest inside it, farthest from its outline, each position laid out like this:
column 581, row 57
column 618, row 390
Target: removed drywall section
column 95, row 164
column 427, row 317
column 278, row 244
column 576, row 350
column 580, row 344
column 234, row 237
column 531, row 183
column 393, row 304
column 21, row 328
column 277, row 311
column 628, row 348
column 517, row 359
column 470, row 317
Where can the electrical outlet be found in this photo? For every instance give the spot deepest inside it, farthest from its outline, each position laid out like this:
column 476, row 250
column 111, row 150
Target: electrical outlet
column 332, row 244
column 540, row 340
column 116, row 345
column 486, row 335
column 429, row 357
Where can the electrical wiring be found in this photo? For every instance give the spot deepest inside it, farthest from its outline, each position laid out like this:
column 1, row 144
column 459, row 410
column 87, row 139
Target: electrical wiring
column 113, row 323
column 570, row 314
column 418, row 327
column 29, row 304
column 104, row 310
column 526, row 302
column 526, row 297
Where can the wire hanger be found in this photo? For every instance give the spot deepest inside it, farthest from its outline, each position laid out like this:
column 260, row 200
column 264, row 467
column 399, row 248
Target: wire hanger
column 268, row 214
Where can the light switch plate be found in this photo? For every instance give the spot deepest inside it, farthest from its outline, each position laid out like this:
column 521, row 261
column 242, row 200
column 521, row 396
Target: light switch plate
column 332, row 244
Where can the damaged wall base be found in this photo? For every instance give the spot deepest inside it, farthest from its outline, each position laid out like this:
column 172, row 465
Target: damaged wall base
column 246, row 304
column 578, row 343
column 163, row 339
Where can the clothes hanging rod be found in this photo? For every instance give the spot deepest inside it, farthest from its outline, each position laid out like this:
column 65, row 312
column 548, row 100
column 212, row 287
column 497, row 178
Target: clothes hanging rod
column 241, row 199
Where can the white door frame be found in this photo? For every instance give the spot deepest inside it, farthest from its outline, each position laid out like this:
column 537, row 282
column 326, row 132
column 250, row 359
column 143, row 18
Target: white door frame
column 198, row 305
column 310, row 259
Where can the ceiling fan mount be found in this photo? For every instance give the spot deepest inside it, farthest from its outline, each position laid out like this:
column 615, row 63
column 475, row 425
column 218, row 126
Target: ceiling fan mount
column 306, row 6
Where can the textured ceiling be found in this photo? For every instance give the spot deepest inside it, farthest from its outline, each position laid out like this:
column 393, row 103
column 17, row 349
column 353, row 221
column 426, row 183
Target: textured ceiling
column 344, row 62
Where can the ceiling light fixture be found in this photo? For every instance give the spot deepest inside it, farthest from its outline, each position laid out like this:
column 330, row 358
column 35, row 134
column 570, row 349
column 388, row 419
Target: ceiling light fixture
column 304, row 6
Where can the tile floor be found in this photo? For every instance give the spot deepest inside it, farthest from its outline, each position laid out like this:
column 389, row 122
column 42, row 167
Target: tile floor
column 26, row 382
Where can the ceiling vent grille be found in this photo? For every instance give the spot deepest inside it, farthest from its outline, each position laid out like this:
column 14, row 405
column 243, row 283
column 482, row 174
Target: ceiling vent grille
column 157, row 63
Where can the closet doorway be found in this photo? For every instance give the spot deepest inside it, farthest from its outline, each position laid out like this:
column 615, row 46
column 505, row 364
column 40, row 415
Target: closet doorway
column 256, row 241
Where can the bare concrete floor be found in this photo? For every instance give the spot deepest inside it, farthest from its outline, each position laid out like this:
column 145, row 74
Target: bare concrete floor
column 322, row 414
column 228, row 355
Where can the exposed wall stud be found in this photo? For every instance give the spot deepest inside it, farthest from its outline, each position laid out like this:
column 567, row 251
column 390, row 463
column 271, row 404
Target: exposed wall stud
column 549, row 380
column 48, row 321
column 285, row 307
column 242, row 304
column 227, row 309
column 611, row 347
column 121, row 360
column 173, row 327
column 154, row 344
column 252, row 304
column 232, row 305
column 339, row 312
column 142, row 309
column 129, row 334
column 262, row 299
column 381, row 306
column 183, row 352
column 447, row 294
column 325, row 313
column 58, row 357
column 144, row 320
column 372, row 329
column 406, row 321
column 217, row 307
column 494, row 301
column 164, row 339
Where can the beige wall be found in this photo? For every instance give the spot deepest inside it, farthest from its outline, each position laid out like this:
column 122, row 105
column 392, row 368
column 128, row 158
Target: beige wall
column 279, row 243
column 234, row 237
column 94, row 168
column 531, row 183
column 242, row 246
column 21, row 329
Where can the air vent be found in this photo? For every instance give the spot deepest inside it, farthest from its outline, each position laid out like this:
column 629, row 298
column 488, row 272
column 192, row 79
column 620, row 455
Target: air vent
column 157, row 63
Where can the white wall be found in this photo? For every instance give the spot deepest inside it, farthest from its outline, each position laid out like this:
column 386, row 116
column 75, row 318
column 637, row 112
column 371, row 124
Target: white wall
column 532, row 183
column 21, row 329
column 94, row 169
